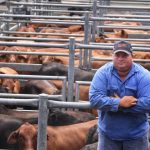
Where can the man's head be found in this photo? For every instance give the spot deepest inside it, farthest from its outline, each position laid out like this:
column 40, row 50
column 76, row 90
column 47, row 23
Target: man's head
column 122, row 56
column 122, row 46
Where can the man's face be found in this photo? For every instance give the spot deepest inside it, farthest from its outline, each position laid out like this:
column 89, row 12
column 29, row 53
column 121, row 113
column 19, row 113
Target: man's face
column 122, row 61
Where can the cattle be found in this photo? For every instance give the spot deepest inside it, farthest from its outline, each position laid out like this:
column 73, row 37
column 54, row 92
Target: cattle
column 58, row 137
column 11, row 119
column 67, row 117
column 58, row 69
column 7, row 125
column 21, row 114
column 92, row 136
column 11, row 85
column 38, row 87
column 92, row 146
column 21, row 58
column 56, row 117
column 27, row 28
column 92, row 139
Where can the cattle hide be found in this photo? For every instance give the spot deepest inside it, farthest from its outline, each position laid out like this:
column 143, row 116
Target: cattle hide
column 7, row 125
column 66, row 117
column 58, row 69
column 38, row 87
column 10, row 120
column 56, row 117
column 64, row 138
column 90, row 147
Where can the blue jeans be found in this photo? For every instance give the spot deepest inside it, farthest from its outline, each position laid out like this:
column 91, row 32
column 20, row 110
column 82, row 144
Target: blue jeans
column 104, row 143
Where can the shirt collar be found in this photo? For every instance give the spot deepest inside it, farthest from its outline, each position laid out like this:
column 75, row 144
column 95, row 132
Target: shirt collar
column 131, row 72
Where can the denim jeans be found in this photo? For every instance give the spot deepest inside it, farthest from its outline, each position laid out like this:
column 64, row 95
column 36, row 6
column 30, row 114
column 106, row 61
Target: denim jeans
column 105, row 143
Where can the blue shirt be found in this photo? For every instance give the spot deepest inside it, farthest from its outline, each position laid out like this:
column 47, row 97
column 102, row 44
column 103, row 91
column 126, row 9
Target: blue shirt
column 115, row 122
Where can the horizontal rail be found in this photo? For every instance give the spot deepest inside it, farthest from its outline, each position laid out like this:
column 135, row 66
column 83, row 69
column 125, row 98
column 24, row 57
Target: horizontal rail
column 52, row 4
column 119, row 19
column 29, row 96
column 124, row 7
column 34, row 44
column 126, row 16
column 33, row 77
column 110, row 59
column 41, row 17
column 124, row 27
column 39, row 33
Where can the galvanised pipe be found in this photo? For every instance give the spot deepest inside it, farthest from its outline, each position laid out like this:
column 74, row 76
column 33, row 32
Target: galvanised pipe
column 52, row 4
column 42, row 122
column 34, row 44
column 30, row 96
column 35, row 33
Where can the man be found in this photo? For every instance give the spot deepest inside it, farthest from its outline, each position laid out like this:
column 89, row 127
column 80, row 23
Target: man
column 120, row 90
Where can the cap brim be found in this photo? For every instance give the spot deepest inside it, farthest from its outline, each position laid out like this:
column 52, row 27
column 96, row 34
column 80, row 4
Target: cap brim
column 124, row 51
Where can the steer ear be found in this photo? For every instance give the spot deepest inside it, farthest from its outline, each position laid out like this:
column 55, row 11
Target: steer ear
column 12, row 139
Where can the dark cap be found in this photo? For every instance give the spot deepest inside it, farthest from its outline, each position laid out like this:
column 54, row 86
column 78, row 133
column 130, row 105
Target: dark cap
column 122, row 46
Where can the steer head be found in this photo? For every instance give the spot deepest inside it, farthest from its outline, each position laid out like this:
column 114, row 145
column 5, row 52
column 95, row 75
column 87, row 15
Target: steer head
column 10, row 85
column 14, row 58
column 25, row 136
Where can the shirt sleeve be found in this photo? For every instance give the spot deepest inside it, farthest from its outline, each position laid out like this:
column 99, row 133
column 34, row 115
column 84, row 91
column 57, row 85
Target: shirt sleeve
column 98, row 93
column 143, row 97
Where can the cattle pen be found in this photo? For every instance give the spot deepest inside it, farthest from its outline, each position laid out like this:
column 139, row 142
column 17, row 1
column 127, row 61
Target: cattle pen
column 78, row 34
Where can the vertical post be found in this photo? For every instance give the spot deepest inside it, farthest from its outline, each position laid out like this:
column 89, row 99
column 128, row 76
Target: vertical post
column 71, row 69
column 64, row 90
column 94, row 22
column 101, row 13
column 86, row 40
column 9, row 11
column 42, row 122
column 107, row 2
column 94, row 30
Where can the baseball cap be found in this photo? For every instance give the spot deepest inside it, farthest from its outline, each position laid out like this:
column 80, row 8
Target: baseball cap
column 122, row 46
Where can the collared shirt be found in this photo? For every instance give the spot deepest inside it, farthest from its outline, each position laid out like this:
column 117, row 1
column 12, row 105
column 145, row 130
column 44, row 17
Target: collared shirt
column 121, row 123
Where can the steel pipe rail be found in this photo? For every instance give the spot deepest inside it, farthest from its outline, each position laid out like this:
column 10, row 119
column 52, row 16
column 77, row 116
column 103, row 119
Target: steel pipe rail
column 56, row 104
column 33, row 77
column 127, row 16
column 30, row 96
column 118, row 19
column 41, row 17
column 36, row 53
column 124, row 27
column 128, row 39
column 19, row 102
column 123, row 7
column 96, row 47
column 61, row 11
column 35, row 44
column 110, row 59
column 52, row 4
column 111, row 44
column 83, row 82
column 33, row 33
column 34, row 39
column 42, row 22
column 50, row 104
column 129, row 3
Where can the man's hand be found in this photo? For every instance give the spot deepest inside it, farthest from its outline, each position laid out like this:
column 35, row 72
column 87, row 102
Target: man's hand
column 128, row 101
